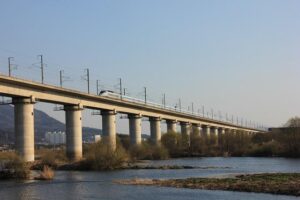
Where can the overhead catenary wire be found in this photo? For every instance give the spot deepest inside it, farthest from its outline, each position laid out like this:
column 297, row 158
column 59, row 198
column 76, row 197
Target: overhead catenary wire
column 119, row 88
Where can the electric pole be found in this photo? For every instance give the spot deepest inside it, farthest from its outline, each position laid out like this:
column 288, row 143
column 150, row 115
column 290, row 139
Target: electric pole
column 164, row 100
column 42, row 68
column 179, row 105
column 61, row 77
column 9, row 65
column 86, row 77
column 120, row 82
column 192, row 108
column 145, row 93
column 97, row 86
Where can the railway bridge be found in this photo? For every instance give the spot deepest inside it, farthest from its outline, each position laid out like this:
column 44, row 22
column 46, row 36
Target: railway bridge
column 26, row 93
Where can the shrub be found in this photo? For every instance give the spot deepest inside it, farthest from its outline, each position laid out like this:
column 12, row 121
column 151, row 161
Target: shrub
column 140, row 152
column 100, row 156
column 15, row 167
column 46, row 174
column 173, row 143
column 52, row 158
column 159, row 152
column 265, row 149
column 148, row 151
column 7, row 155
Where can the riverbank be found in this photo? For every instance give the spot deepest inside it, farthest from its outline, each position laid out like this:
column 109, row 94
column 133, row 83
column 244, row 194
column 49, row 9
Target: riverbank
column 138, row 165
column 277, row 183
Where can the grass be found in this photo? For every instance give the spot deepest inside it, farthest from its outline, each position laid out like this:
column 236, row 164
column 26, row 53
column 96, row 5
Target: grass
column 148, row 151
column 13, row 167
column 7, row 155
column 100, row 156
column 51, row 158
column 280, row 183
column 46, row 174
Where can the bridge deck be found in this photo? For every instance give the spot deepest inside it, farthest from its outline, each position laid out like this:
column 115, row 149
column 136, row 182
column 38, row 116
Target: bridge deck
column 15, row 87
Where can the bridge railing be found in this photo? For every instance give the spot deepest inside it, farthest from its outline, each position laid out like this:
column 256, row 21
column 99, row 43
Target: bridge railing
column 171, row 108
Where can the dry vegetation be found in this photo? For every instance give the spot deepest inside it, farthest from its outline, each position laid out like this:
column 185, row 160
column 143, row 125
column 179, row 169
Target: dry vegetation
column 46, row 174
column 286, row 184
column 285, row 143
column 12, row 166
column 100, row 156
column 51, row 158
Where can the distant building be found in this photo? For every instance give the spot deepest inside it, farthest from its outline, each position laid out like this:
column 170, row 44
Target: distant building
column 55, row 138
column 97, row 138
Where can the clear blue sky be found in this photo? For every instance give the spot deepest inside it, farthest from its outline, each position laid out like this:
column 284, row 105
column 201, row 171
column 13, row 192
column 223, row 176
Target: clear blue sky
column 240, row 57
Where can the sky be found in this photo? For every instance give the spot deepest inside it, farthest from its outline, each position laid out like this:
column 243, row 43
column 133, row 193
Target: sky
column 235, row 57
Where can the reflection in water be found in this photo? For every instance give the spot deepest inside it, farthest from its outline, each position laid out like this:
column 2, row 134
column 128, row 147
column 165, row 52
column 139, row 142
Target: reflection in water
column 99, row 185
column 24, row 193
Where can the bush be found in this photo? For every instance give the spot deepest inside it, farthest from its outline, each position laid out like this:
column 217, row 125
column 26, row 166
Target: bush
column 100, row 156
column 159, row 152
column 148, row 151
column 271, row 148
column 7, row 155
column 172, row 141
column 15, row 167
column 46, row 174
column 52, row 158
column 140, row 152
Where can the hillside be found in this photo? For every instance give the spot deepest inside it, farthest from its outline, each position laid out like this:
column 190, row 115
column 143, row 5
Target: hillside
column 43, row 123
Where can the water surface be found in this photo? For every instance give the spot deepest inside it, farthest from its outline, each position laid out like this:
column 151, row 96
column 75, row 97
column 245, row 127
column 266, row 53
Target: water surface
column 99, row 185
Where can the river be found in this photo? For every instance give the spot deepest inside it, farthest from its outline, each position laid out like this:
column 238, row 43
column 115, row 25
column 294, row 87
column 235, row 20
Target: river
column 75, row 185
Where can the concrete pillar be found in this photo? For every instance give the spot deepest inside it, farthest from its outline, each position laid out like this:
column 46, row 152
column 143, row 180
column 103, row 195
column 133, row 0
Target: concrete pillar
column 226, row 139
column 155, row 130
column 109, row 128
column 24, row 127
column 206, row 131
column 185, row 128
column 135, row 129
column 197, row 129
column 222, row 131
column 186, row 131
column 73, row 131
column 221, row 136
column 171, row 125
column 234, row 132
column 214, row 136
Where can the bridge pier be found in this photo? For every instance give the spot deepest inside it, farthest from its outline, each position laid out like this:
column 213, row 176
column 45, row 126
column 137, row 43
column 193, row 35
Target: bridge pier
column 214, row 136
column 206, row 131
column 221, row 136
column 73, row 131
column 135, row 129
column 109, row 128
column 24, row 127
column 226, row 139
column 186, row 131
column 185, row 128
column 171, row 126
column 197, row 129
column 155, row 130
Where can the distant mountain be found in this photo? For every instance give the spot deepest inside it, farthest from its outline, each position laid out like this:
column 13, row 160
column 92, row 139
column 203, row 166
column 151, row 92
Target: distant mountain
column 42, row 124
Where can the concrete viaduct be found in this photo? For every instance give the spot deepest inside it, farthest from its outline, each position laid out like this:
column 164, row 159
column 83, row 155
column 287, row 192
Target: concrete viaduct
column 26, row 93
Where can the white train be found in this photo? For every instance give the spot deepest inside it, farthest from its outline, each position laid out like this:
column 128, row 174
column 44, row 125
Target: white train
column 112, row 94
